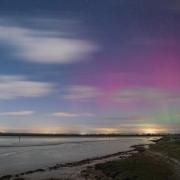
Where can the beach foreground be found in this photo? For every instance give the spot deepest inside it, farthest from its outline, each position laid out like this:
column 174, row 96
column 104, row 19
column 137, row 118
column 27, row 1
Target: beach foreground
column 157, row 161
column 57, row 156
column 161, row 161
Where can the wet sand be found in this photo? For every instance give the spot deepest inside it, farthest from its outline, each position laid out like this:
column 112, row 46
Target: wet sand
column 70, row 170
column 73, row 168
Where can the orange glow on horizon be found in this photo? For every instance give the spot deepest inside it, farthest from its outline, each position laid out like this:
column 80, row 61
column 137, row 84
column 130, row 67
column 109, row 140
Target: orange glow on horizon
column 153, row 130
column 106, row 130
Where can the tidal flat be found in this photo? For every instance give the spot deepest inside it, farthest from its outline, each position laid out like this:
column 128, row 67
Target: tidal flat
column 43, row 158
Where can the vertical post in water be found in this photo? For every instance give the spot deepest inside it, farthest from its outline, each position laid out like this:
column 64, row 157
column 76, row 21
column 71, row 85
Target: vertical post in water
column 19, row 139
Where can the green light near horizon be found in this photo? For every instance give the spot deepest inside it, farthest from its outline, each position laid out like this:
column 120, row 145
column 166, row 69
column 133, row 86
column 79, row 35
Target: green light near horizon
column 168, row 118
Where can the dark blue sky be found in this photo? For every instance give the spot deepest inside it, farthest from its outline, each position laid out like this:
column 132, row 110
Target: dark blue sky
column 89, row 66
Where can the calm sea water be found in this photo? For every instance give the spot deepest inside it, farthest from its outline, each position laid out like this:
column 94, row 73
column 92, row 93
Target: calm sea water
column 34, row 152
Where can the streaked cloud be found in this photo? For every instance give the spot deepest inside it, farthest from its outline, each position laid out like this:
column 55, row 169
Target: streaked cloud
column 142, row 93
column 46, row 46
column 178, row 114
column 146, row 118
column 82, row 92
column 152, row 41
column 174, row 5
column 69, row 114
column 17, row 113
column 12, row 87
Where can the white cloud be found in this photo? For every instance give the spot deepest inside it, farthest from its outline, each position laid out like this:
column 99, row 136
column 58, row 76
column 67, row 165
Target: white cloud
column 17, row 113
column 68, row 114
column 82, row 92
column 45, row 46
column 12, row 87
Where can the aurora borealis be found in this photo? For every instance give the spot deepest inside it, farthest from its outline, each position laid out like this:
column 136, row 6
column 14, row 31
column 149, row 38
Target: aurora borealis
column 90, row 66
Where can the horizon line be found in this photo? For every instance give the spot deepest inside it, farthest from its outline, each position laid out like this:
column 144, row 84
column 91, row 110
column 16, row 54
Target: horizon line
column 83, row 135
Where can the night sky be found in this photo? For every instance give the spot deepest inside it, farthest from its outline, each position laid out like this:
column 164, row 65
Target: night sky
column 90, row 66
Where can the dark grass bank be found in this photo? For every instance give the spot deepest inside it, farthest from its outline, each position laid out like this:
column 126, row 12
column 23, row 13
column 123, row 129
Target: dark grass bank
column 145, row 165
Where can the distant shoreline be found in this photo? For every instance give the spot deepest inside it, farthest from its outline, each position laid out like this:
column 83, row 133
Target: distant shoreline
column 79, row 135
